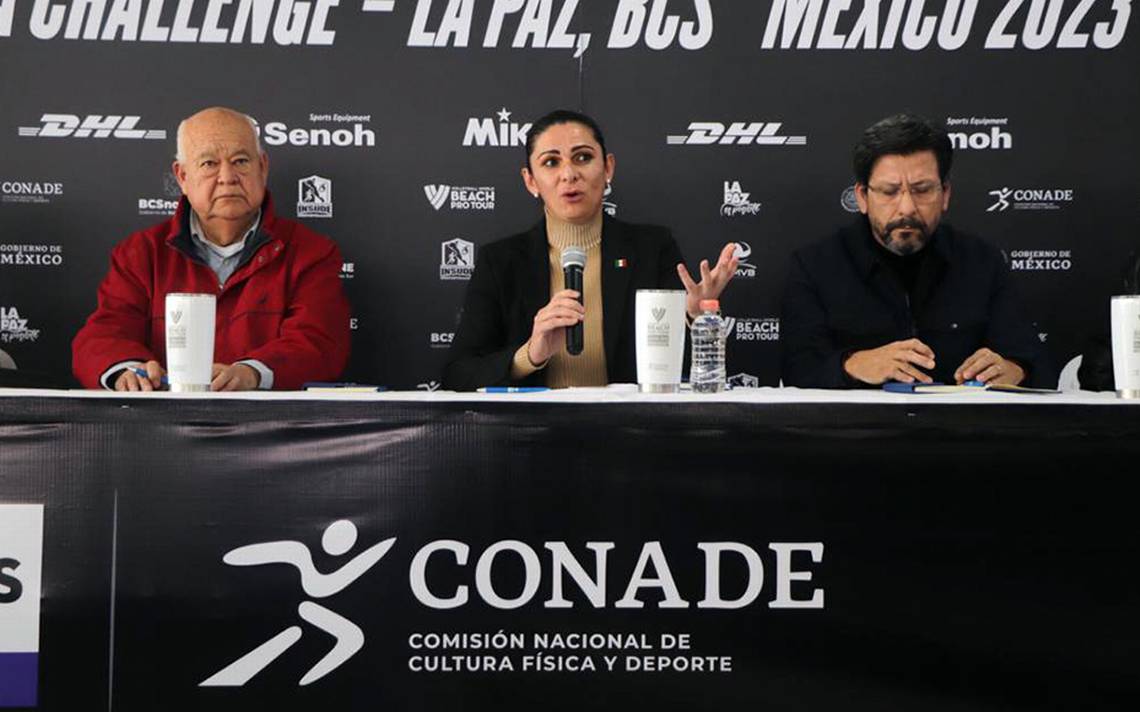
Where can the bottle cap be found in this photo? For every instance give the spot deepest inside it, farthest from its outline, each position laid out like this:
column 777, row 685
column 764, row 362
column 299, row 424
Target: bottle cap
column 710, row 305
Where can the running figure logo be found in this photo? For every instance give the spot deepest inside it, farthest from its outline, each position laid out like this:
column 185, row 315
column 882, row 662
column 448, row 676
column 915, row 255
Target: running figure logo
column 338, row 539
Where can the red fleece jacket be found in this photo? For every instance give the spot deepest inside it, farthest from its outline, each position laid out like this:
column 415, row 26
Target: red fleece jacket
column 283, row 306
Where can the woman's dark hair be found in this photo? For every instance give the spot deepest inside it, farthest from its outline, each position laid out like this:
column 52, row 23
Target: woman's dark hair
column 902, row 135
column 561, row 116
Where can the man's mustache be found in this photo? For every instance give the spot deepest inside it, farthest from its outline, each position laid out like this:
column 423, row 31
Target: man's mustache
column 906, row 224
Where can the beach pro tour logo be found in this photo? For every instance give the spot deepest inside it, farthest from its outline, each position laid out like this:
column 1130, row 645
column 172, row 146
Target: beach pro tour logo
column 457, row 260
column 90, row 126
column 21, row 552
column 757, row 133
column 466, row 197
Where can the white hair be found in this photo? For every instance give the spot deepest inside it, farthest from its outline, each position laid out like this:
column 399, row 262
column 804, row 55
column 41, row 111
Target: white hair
column 180, row 155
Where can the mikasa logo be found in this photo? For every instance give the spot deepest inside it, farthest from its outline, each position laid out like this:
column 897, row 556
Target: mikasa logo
column 484, row 132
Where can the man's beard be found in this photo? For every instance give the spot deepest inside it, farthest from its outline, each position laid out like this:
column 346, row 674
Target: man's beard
column 886, row 236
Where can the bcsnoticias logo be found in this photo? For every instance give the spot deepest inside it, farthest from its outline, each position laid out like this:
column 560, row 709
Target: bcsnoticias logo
column 90, row 126
column 757, row 133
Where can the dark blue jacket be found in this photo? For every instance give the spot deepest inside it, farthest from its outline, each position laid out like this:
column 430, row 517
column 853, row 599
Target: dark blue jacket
column 841, row 298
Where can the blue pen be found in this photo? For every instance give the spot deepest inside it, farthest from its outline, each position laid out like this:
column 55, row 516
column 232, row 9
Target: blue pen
column 513, row 389
column 141, row 373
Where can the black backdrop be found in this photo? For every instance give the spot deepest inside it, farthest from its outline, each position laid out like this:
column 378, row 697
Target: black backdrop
column 1043, row 95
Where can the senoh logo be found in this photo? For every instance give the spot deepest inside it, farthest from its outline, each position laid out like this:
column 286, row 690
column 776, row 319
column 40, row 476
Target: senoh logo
column 348, row 131
column 502, row 134
column 979, row 133
column 21, row 551
column 90, row 126
column 757, row 133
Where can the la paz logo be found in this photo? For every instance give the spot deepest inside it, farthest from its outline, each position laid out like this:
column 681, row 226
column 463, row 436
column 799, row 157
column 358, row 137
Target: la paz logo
column 338, row 539
column 736, row 201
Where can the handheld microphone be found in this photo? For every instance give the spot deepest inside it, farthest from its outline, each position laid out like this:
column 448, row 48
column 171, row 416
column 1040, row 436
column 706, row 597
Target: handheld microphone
column 573, row 267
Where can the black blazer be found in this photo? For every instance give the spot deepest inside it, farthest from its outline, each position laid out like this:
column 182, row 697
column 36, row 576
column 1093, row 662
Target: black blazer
column 511, row 283
column 840, row 298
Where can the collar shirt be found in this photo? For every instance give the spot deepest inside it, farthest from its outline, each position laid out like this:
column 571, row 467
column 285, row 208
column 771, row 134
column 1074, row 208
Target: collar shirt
column 222, row 260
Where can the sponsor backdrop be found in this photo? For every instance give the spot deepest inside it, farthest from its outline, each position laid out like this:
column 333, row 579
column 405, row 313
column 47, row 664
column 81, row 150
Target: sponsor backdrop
column 396, row 127
column 426, row 556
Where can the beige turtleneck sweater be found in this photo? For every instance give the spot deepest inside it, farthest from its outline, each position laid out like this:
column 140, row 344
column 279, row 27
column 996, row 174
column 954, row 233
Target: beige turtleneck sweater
column 589, row 367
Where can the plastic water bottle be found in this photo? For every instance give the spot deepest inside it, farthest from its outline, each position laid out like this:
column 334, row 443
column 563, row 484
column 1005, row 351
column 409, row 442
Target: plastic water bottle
column 707, row 336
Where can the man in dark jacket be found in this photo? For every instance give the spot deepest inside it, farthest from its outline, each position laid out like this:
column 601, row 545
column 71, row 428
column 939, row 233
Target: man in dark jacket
column 900, row 296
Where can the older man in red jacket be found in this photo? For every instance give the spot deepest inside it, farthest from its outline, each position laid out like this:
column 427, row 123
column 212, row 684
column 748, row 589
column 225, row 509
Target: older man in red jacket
column 282, row 317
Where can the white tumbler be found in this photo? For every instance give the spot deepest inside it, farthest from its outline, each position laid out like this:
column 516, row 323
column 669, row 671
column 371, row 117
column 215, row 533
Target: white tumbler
column 1126, row 345
column 660, row 332
column 189, row 341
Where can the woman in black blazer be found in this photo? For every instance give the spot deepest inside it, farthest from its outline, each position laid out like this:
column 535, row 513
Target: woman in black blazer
column 512, row 331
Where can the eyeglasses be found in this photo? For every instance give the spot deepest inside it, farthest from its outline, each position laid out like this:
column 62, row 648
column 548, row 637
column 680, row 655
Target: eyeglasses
column 920, row 193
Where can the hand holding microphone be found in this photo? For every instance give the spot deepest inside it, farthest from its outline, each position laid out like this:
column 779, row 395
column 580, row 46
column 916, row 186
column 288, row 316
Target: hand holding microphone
column 564, row 313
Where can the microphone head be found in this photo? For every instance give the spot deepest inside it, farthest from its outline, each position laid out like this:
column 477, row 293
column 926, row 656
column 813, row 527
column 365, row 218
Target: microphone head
column 572, row 256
